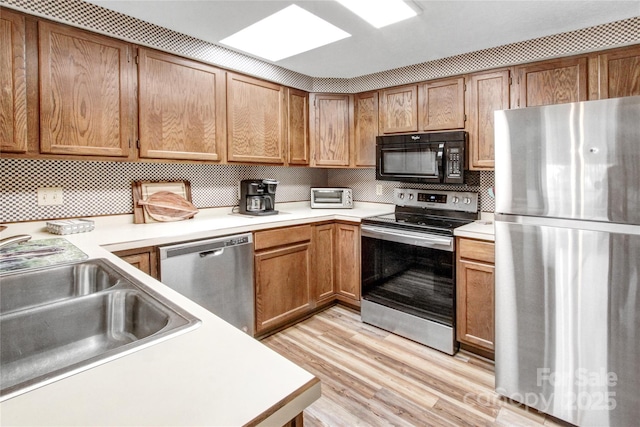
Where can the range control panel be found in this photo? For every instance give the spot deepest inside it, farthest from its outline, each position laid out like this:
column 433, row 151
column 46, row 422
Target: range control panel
column 465, row 201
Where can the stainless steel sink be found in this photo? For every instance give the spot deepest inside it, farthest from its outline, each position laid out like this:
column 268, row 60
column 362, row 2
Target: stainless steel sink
column 38, row 287
column 73, row 317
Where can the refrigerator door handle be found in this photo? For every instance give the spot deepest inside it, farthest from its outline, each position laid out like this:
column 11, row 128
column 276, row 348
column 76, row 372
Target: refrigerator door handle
column 607, row 227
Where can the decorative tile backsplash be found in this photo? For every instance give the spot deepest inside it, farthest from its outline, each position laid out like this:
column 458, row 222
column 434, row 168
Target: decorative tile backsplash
column 363, row 183
column 92, row 188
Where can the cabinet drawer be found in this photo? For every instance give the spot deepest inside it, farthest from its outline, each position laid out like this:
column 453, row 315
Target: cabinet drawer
column 477, row 249
column 282, row 236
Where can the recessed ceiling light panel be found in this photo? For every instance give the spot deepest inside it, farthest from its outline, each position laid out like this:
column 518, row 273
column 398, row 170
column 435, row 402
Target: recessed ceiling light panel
column 288, row 32
column 380, row 13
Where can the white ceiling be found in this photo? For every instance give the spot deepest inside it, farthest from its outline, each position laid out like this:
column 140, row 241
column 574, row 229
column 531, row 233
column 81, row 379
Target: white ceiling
column 444, row 28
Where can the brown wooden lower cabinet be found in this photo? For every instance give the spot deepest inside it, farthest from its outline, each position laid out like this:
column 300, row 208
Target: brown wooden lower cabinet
column 303, row 268
column 282, row 263
column 348, row 263
column 298, row 421
column 144, row 259
column 475, row 295
column 323, row 253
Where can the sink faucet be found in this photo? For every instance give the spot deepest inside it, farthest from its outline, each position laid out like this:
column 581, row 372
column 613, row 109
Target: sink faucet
column 13, row 240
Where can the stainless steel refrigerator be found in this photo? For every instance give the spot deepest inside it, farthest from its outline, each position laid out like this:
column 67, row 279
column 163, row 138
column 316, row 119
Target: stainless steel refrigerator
column 568, row 260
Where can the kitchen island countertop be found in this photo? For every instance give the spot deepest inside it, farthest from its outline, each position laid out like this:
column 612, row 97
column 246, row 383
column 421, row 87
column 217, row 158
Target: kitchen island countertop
column 214, row 375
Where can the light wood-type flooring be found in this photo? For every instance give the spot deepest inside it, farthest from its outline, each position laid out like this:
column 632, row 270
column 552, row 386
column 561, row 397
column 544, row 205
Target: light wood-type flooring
column 371, row 377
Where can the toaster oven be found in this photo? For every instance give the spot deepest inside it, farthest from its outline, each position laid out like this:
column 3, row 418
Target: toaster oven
column 331, row 198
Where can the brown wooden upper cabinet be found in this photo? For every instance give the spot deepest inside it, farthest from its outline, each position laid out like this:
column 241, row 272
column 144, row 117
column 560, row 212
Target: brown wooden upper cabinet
column 615, row 73
column 13, row 83
column 399, row 109
column 486, row 93
column 551, row 82
column 298, row 127
column 330, row 129
column 86, row 92
column 366, row 129
column 441, row 104
column 181, row 108
column 256, row 120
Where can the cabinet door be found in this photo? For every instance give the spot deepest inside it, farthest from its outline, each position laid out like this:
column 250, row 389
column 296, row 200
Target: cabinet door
column 283, row 285
column 181, row 108
column 85, row 92
column 475, row 304
column 348, row 263
column 551, row 82
column 298, row 127
column 324, row 249
column 399, row 109
column 331, row 126
column 366, row 129
column 442, row 104
column 13, row 83
column 617, row 73
column 144, row 259
column 486, row 93
column 255, row 120
column 475, row 323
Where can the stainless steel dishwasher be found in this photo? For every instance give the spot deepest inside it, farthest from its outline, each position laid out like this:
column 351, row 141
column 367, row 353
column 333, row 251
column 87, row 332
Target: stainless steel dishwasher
column 215, row 273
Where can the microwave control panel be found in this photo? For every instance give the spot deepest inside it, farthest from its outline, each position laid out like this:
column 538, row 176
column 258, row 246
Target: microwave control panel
column 455, row 162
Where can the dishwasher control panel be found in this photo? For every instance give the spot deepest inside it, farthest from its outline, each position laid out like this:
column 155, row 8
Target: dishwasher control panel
column 237, row 241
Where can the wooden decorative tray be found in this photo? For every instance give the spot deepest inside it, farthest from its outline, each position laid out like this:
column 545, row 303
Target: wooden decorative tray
column 142, row 192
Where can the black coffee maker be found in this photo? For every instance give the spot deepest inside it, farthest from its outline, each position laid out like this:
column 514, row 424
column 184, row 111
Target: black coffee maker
column 258, row 196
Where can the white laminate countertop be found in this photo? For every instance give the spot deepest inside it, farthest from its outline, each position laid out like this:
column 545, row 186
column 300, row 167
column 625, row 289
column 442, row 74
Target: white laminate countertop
column 482, row 229
column 214, row 375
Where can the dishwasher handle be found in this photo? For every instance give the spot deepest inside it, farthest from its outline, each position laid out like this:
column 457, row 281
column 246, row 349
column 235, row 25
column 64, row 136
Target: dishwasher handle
column 205, row 248
column 212, row 253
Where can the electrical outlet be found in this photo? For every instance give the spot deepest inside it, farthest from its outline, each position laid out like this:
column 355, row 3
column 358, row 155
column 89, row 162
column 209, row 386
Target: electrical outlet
column 378, row 189
column 49, row 196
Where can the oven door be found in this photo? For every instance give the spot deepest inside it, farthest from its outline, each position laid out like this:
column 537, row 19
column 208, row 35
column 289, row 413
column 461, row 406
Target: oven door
column 410, row 162
column 408, row 285
column 410, row 272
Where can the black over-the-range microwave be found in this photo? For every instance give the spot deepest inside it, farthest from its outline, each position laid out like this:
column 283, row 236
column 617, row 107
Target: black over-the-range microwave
column 437, row 157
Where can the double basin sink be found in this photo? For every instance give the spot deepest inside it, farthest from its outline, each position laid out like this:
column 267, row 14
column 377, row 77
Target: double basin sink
column 58, row 321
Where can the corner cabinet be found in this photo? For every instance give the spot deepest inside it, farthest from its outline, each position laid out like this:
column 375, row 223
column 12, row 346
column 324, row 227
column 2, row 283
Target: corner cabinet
column 366, row 129
column 441, row 105
column 324, row 261
column 347, row 263
column 298, row 127
column 256, row 120
column 330, row 129
column 181, row 108
column 486, row 93
column 282, row 262
column 475, row 272
column 13, row 82
column 86, row 92
column 336, row 261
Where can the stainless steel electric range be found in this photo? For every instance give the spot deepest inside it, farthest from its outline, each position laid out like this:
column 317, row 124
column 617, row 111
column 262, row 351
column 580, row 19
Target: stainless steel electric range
column 409, row 264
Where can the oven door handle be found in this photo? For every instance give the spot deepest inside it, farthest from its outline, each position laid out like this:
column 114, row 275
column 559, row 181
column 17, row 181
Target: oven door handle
column 407, row 237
